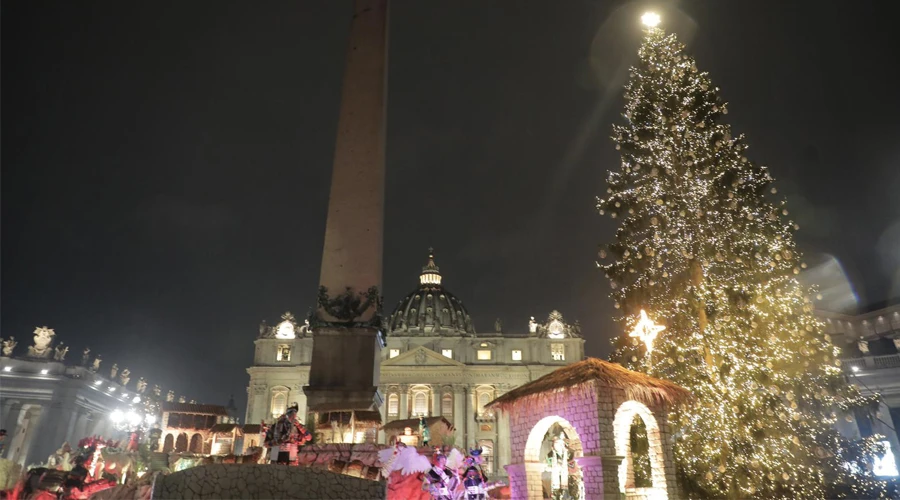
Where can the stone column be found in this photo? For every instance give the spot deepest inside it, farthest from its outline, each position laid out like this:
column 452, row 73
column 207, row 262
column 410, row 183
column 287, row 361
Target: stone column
column 459, row 405
column 404, row 402
column 471, row 407
column 346, row 357
column 11, row 411
column 435, row 400
column 381, row 438
column 26, row 453
column 592, row 475
column 503, row 446
column 610, row 465
column 533, row 472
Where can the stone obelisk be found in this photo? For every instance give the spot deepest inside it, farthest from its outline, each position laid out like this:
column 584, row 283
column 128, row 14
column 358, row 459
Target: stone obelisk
column 347, row 323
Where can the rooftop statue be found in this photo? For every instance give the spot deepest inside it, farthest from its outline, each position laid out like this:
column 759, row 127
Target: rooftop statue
column 8, row 346
column 43, row 336
column 61, row 352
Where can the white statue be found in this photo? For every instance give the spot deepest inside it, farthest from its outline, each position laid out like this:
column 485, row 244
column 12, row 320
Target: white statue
column 43, row 336
column 60, row 352
column 9, row 345
column 113, row 371
column 60, row 460
column 124, row 378
column 170, row 396
column 96, row 365
column 532, row 325
column 141, row 385
column 181, row 399
column 86, row 356
column 558, row 465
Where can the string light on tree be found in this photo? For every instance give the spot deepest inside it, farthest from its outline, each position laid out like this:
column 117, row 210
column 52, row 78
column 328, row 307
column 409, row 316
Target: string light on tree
column 704, row 243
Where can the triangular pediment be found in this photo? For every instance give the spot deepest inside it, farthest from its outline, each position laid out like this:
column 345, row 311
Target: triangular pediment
column 421, row 356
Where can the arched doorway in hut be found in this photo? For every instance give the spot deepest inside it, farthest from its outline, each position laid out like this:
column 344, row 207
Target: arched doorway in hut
column 550, row 467
column 168, row 444
column 181, row 443
column 642, row 472
column 196, row 444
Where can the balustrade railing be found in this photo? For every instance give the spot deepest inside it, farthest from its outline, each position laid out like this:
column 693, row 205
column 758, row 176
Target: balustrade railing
column 872, row 362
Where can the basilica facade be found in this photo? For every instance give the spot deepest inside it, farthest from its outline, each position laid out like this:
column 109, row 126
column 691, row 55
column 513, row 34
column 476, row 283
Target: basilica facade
column 435, row 365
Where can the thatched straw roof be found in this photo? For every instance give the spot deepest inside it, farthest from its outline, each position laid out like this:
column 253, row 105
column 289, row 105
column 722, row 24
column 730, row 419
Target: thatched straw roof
column 638, row 386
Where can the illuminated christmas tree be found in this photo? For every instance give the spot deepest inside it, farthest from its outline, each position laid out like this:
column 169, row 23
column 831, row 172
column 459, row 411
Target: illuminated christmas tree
column 705, row 248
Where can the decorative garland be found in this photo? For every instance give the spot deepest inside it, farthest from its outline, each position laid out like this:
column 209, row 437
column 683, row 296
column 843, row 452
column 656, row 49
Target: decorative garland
column 347, row 307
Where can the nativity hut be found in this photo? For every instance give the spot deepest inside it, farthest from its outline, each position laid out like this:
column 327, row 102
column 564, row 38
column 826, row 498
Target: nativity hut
column 582, row 415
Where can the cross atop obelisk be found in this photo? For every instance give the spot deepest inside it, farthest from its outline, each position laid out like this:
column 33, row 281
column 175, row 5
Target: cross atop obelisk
column 347, row 323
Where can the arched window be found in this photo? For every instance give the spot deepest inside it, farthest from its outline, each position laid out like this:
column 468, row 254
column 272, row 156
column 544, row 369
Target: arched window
column 393, row 405
column 640, row 453
column 196, row 445
column 484, row 396
column 181, row 443
column 420, row 404
column 483, row 399
column 168, row 443
column 283, row 353
column 447, row 405
column 279, row 404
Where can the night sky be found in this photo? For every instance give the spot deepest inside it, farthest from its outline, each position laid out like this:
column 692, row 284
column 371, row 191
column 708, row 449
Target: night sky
column 165, row 165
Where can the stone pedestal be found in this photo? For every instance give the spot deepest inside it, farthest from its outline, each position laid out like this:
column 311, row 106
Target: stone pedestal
column 611, row 489
column 348, row 370
column 591, row 475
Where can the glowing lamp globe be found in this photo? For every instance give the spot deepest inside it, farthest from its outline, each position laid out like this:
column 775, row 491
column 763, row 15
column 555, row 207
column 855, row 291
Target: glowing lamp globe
column 133, row 418
column 117, row 416
column 151, row 419
column 650, row 19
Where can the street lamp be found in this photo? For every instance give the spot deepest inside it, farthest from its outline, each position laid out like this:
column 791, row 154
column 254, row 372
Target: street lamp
column 132, row 419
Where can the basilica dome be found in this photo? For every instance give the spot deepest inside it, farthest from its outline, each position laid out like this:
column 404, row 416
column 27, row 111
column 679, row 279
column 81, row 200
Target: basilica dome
column 430, row 309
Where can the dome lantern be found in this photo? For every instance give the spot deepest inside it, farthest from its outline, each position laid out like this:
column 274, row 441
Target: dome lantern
column 431, row 273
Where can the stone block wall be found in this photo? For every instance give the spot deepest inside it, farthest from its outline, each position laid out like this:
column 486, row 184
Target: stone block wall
column 530, row 419
column 232, row 481
column 578, row 412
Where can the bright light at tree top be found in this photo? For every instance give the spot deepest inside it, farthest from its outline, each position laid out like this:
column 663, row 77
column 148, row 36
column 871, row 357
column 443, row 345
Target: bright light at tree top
column 650, row 19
